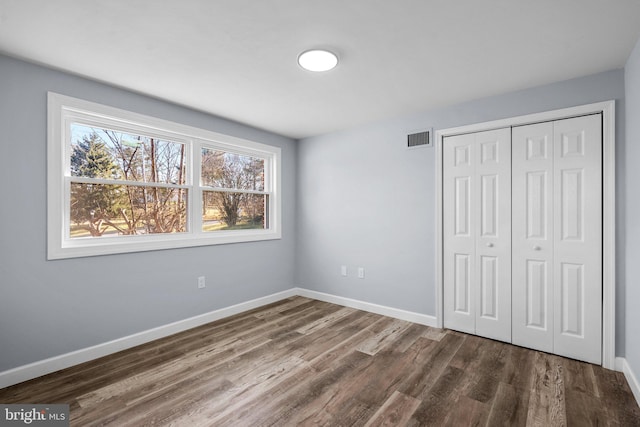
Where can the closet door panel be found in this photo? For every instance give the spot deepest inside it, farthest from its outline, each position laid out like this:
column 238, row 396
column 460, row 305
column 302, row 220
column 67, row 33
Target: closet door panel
column 532, row 236
column 578, row 238
column 459, row 187
column 536, row 295
column 493, row 243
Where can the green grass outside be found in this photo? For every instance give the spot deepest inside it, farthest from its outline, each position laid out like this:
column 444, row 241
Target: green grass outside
column 241, row 225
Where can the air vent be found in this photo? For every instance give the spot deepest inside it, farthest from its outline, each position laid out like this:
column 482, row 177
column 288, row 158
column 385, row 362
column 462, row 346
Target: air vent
column 420, row 139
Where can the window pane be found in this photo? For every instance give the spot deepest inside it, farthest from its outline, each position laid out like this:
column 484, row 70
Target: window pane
column 99, row 210
column 234, row 211
column 234, row 171
column 109, row 154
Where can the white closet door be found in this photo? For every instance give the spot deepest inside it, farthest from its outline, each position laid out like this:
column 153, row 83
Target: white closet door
column 578, row 238
column 459, row 185
column 532, row 236
column 477, row 244
column 492, row 215
column 557, row 237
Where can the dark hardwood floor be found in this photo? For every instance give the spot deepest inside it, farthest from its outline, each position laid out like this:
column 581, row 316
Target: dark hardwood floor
column 306, row 362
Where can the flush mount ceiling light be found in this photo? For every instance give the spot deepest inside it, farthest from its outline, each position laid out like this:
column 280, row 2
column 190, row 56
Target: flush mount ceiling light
column 318, row 60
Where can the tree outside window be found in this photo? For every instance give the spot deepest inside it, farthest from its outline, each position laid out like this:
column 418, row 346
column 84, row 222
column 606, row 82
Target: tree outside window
column 234, row 197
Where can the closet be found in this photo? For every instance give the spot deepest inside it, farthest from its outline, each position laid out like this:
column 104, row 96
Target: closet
column 522, row 235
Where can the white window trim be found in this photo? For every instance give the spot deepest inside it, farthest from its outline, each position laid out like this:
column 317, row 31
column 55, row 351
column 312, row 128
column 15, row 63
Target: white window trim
column 63, row 109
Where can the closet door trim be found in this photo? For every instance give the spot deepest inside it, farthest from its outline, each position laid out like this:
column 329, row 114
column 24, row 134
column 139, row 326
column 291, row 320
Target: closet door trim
column 607, row 108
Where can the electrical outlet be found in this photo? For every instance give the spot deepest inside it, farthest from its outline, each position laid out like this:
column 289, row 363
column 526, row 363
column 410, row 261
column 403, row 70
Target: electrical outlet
column 360, row 272
column 201, row 282
column 343, row 270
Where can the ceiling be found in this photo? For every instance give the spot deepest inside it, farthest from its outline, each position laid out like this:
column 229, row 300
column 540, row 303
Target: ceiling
column 237, row 58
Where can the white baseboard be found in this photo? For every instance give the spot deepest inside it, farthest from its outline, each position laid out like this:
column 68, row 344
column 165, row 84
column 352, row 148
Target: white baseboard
column 396, row 313
column 46, row 366
column 623, row 366
column 43, row 367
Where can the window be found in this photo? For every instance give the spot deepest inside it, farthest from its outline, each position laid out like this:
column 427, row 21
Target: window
column 124, row 182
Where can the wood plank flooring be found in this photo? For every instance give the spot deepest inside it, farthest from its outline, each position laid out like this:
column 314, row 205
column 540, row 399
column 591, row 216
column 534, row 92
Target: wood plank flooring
column 306, row 362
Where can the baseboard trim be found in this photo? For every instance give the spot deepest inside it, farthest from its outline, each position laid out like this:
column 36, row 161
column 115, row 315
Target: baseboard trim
column 623, row 366
column 46, row 366
column 56, row 363
column 396, row 313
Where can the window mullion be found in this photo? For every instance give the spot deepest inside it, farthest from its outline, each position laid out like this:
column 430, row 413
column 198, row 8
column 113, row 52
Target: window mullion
column 195, row 201
column 84, row 180
column 232, row 190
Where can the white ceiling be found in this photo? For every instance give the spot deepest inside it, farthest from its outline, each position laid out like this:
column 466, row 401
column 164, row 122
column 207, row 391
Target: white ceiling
column 237, row 58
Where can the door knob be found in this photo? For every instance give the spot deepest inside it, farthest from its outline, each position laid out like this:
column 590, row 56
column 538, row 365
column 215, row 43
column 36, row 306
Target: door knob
column 489, row 245
column 536, row 248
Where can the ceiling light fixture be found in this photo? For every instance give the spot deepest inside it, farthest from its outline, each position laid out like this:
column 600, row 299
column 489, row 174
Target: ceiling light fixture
column 318, row 60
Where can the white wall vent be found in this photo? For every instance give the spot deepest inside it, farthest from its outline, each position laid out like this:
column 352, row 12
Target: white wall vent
column 420, row 139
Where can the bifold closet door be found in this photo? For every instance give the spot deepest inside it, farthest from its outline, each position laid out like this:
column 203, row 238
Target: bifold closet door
column 477, row 226
column 557, row 237
column 532, row 236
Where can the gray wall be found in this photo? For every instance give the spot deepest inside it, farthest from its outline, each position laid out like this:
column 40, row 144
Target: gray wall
column 49, row 308
column 631, row 227
column 365, row 200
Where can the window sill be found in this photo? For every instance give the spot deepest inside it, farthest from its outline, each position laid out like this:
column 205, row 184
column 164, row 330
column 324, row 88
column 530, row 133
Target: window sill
column 88, row 247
